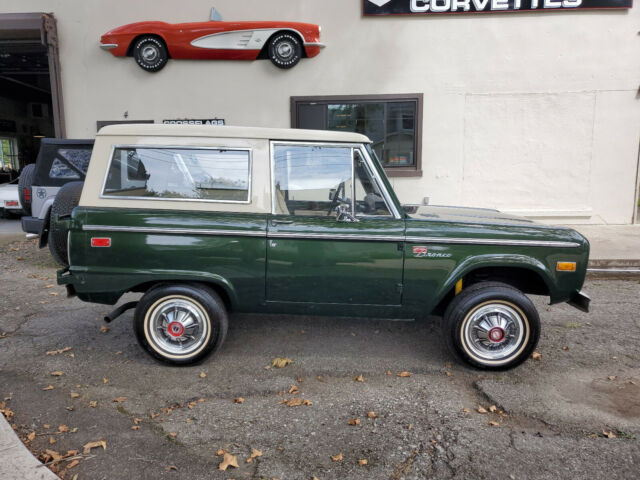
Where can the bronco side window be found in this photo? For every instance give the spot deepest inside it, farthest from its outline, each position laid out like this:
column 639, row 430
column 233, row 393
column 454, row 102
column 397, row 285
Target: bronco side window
column 179, row 173
column 311, row 180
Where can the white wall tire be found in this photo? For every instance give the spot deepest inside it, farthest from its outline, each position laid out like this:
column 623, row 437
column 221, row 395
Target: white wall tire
column 180, row 324
column 492, row 326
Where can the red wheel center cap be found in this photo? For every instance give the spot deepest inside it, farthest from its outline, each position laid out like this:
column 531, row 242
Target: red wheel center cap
column 496, row 334
column 175, row 329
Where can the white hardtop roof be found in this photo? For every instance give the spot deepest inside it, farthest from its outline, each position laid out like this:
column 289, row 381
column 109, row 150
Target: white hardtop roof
column 163, row 130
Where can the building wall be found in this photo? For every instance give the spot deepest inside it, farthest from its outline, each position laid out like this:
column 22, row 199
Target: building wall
column 532, row 113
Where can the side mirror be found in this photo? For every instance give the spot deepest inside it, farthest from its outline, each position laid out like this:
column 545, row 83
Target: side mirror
column 344, row 215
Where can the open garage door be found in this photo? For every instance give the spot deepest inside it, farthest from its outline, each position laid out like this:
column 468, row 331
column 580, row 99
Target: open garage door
column 31, row 104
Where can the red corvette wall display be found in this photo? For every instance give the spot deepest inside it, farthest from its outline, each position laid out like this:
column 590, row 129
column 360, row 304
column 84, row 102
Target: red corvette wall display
column 153, row 43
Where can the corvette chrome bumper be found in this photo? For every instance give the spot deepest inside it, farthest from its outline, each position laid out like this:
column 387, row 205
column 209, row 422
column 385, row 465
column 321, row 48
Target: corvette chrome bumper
column 314, row 44
column 108, row 46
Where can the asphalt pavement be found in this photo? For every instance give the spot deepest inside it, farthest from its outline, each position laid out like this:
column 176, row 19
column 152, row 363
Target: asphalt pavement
column 69, row 381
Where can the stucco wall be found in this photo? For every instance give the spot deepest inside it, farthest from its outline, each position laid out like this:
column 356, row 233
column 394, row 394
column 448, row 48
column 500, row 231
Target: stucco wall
column 536, row 113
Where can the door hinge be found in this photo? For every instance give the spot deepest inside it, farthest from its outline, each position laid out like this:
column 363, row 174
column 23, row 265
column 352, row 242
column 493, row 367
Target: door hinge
column 399, row 288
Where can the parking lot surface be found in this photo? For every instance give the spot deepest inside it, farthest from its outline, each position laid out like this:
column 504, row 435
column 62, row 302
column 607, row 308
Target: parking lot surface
column 70, row 379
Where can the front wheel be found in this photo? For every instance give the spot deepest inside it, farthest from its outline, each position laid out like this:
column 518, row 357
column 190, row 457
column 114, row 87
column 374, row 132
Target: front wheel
column 492, row 326
column 285, row 50
column 180, row 324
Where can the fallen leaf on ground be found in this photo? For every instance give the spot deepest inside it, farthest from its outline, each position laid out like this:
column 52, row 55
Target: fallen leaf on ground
column 170, row 467
column 93, row 404
column 295, row 402
column 294, row 390
column 612, row 377
column 135, row 427
column 57, row 373
column 448, row 374
column 359, row 378
column 565, row 348
column 337, row 458
column 280, row 362
column 362, row 462
column 238, row 400
column 31, row 436
column 52, row 440
column 154, row 415
column 354, row 421
column 46, row 425
column 61, row 350
column 104, row 329
column 609, row 434
column 410, row 426
column 72, row 464
column 137, row 421
column 51, row 285
column 494, row 424
column 48, row 387
column 119, row 399
column 203, row 375
column 536, row 356
column 74, row 395
column 404, row 374
column 228, row 461
column 55, row 456
column 466, row 410
column 88, row 446
column 220, row 452
column 254, row 454
column 105, row 380
column 372, row 415
column 55, row 294
column 63, row 428
column 173, row 434
column 481, row 409
column 493, row 408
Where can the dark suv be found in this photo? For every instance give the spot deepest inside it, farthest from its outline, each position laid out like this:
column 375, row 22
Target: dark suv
column 59, row 162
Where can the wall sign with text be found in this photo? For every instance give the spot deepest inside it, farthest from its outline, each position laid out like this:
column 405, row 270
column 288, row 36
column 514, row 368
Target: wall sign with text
column 427, row 7
column 188, row 121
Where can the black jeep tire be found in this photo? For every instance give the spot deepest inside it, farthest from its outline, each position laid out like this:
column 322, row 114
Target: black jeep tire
column 66, row 200
column 285, row 50
column 171, row 307
column 24, row 183
column 492, row 326
column 150, row 53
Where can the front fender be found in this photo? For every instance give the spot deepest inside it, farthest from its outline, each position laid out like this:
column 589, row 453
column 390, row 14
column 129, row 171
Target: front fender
column 503, row 260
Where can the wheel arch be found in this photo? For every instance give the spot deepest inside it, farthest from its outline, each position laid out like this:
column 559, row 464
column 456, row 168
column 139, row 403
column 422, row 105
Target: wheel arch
column 264, row 52
column 140, row 35
column 218, row 284
column 522, row 272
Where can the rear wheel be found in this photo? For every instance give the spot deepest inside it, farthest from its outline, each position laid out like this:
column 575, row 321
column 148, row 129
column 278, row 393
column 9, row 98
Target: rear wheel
column 24, row 187
column 180, row 324
column 150, row 53
column 66, row 200
column 492, row 325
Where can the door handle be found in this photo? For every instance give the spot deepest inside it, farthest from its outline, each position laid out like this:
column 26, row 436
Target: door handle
column 281, row 222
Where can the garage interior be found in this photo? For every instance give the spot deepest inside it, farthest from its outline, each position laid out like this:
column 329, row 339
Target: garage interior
column 30, row 94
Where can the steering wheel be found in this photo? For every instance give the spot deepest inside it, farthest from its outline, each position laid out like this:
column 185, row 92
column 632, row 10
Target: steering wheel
column 336, row 198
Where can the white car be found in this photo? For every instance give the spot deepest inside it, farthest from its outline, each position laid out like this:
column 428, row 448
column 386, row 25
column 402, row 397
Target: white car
column 9, row 200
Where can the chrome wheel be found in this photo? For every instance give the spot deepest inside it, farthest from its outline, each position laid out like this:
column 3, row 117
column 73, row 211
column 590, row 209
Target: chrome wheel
column 285, row 50
column 493, row 331
column 177, row 326
column 150, row 53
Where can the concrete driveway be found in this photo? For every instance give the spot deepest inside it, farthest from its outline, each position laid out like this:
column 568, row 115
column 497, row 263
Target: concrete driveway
column 552, row 417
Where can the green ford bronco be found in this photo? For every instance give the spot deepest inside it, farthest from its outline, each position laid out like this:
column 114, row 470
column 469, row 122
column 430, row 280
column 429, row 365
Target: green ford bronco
column 204, row 221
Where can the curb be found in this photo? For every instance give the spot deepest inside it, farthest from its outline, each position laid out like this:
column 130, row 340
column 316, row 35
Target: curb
column 16, row 461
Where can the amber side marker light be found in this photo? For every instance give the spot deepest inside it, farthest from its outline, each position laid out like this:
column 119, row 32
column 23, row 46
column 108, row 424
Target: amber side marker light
column 566, row 266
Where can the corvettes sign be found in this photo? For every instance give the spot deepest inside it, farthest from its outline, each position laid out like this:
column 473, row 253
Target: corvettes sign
column 426, row 7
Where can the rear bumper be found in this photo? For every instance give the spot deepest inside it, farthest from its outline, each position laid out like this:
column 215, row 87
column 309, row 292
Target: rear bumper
column 580, row 300
column 32, row 225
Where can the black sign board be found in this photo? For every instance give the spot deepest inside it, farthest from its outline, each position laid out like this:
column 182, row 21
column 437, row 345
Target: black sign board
column 189, row 121
column 428, row 7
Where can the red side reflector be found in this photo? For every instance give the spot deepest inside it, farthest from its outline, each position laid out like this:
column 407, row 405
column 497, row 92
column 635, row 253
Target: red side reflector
column 27, row 194
column 10, row 203
column 100, row 242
